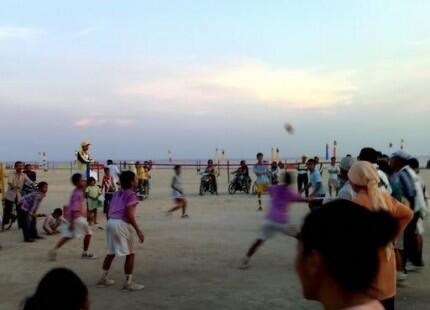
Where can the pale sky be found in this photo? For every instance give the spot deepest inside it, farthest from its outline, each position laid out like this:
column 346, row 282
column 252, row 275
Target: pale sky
column 137, row 78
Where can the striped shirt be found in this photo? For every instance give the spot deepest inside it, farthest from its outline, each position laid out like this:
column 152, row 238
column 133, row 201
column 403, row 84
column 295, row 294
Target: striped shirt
column 302, row 169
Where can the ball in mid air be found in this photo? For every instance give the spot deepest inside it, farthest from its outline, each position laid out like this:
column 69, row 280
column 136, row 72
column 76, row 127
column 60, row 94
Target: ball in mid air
column 289, row 128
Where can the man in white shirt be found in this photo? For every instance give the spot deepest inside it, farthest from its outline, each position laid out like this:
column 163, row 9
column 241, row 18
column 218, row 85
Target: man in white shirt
column 114, row 171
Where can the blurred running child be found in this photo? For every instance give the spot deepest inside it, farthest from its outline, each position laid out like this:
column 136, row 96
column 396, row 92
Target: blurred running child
column 282, row 196
column 121, row 220
column 77, row 218
column 263, row 178
column 178, row 193
column 29, row 204
column 94, row 200
column 53, row 222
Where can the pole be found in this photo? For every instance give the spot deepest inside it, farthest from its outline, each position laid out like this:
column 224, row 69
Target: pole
column 326, row 151
column 98, row 171
column 334, row 148
column 71, row 167
column 2, row 177
column 228, row 171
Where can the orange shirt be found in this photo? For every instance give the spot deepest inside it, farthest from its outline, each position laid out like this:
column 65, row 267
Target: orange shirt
column 385, row 282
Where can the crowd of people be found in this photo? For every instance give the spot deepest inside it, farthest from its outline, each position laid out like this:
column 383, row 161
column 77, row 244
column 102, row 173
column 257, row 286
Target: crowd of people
column 371, row 211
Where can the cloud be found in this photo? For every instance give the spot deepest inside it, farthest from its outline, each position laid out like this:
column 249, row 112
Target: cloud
column 86, row 31
column 249, row 82
column 18, row 33
column 103, row 122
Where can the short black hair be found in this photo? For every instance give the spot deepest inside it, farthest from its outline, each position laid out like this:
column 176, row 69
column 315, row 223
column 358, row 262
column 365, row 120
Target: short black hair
column 58, row 212
column 76, row 178
column 41, row 185
column 18, row 163
column 333, row 158
column 368, row 154
column 126, row 178
column 336, row 233
column 259, row 154
column 59, row 286
column 91, row 179
column 311, row 161
column 27, row 165
column 106, row 170
column 177, row 167
column 414, row 163
column 109, row 162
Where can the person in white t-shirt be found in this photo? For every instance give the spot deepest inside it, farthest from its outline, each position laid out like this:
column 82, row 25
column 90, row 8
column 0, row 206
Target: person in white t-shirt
column 333, row 182
column 114, row 171
column 178, row 193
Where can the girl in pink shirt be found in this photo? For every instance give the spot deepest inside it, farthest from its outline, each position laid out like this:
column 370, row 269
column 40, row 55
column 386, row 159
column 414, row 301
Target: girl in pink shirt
column 77, row 217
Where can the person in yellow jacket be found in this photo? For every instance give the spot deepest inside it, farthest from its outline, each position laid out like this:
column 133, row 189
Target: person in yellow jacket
column 83, row 159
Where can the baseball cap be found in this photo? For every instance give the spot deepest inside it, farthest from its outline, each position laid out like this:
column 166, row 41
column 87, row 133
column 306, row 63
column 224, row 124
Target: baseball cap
column 85, row 143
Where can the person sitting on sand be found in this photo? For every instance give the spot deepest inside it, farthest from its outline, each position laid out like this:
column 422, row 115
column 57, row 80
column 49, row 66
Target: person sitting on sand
column 53, row 222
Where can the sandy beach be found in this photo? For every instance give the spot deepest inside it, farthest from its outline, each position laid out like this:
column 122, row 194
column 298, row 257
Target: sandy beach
column 184, row 263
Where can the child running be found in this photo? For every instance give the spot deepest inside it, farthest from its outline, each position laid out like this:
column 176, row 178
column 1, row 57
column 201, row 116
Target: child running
column 94, row 197
column 282, row 196
column 178, row 193
column 77, row 218
column 53, row 222
column 29, row 204
column 262, row 172
column 121, row 220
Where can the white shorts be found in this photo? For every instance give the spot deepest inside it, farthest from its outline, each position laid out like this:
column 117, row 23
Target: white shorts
column 120, row 239
column 81, row 229
column 270, row 228
column 333, row 183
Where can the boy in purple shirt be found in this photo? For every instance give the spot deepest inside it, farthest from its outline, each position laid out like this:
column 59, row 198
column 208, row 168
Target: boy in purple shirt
column 282, row 196
column 121, row 216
